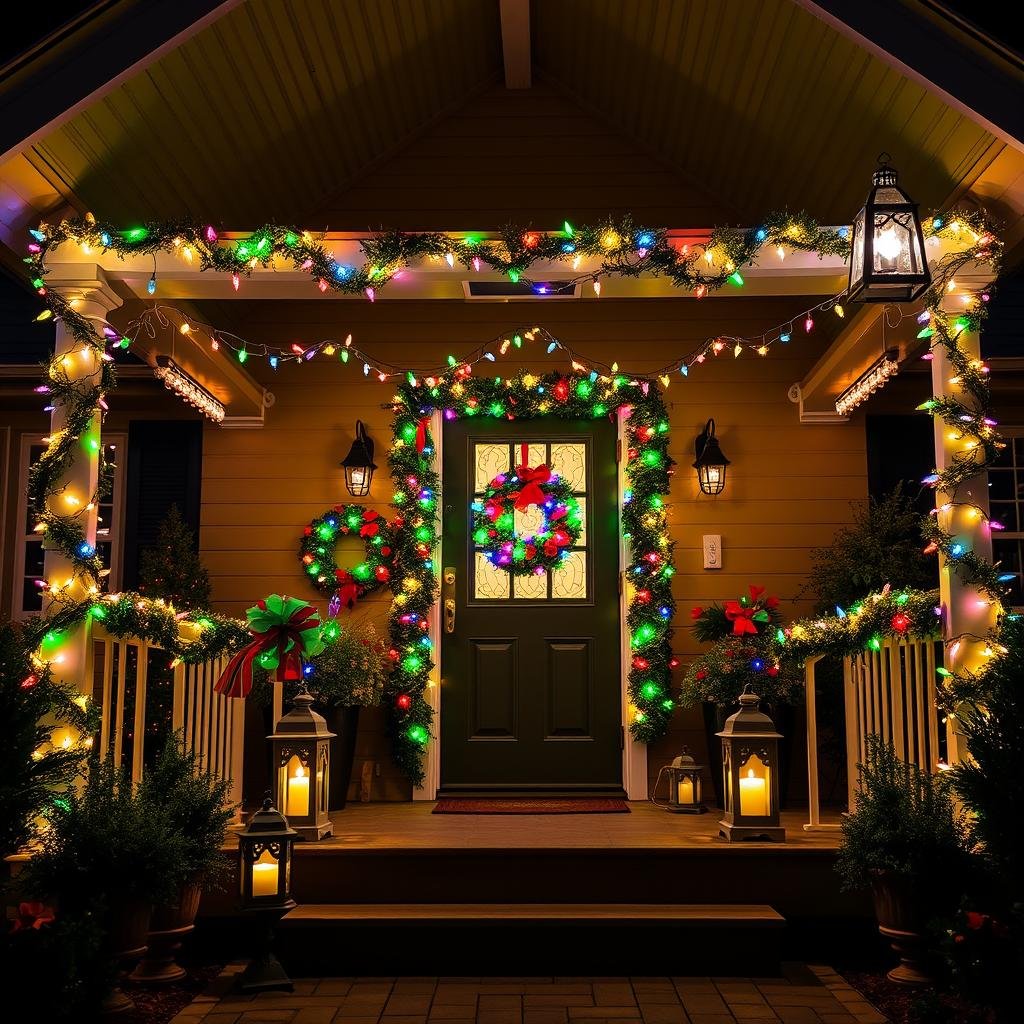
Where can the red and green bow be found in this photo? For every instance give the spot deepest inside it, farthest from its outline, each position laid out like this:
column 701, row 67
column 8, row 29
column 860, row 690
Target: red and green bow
column 285, row 631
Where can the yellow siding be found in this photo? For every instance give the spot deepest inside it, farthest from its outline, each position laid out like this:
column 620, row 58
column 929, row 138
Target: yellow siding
column 789, row 487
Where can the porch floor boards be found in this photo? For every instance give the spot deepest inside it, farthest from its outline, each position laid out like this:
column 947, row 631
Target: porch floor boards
column 412, row 826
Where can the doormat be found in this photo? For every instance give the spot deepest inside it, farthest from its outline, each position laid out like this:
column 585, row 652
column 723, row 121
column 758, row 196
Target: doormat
column 510, row 806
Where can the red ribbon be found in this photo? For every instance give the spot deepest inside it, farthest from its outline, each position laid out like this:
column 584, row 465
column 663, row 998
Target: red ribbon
column 421, row 434
column 236, row 679
column 531, row 493
column 740, row 617
column 348, row 589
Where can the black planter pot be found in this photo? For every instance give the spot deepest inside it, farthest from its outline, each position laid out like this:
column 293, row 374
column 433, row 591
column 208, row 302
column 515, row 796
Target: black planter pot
column 344, row 722
column 784, row 717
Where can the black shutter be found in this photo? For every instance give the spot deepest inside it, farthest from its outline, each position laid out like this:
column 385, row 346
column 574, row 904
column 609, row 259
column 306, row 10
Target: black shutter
column 165, row 467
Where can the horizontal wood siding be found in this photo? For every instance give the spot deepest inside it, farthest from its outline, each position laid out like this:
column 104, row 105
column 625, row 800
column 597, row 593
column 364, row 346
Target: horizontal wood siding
column 789, row 487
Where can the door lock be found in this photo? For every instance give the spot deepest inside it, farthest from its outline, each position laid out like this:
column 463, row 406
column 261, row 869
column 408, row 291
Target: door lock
column 448, row 578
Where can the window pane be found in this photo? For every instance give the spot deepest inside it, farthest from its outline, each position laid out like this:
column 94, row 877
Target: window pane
column 489, row 583
column 491, row 459
column 1010, row 556
column 1000, row 485
column 569, row 582
column 1004, row 512
column 569, row 461
column 531, row 588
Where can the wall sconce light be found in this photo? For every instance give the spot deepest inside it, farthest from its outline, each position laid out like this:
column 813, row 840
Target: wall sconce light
column 358, row 464
column 887, row 260
column 710, row 462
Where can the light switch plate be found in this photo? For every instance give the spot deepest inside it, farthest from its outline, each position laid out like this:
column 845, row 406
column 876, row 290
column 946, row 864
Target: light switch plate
column 712, row 551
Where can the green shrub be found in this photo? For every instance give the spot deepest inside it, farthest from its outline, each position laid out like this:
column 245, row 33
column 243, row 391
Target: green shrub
column 905, row 822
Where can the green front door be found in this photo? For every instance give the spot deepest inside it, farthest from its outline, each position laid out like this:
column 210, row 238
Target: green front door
column 530, row 687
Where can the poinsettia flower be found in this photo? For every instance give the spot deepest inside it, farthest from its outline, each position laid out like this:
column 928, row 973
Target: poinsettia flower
column 755, row 593
column 772, row 602
column 32, row 915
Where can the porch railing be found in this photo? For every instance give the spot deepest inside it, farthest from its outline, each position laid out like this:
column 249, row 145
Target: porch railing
column 142, row 697
column 890, row 693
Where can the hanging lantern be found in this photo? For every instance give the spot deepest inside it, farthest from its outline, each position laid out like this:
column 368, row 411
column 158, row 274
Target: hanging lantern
column 301, row 746
column 887, row 259
column 750, row 776
column 359, row 464
column 710, row 462
column 265, row 879
column 684, row 785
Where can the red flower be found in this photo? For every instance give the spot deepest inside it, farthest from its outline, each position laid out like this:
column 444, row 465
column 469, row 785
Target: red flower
column 370, row 514
column 32, row 915
column 560, row 389
column 531, row 550
column 383, row 573
column 550, row 548
column 369, row 530
column 696, row 613
column 385, row 551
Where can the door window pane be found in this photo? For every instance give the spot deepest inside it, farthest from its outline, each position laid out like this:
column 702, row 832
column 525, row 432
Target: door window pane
column 567, row 459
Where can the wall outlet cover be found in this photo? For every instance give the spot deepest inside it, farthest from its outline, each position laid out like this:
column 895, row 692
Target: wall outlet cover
column 712, row 551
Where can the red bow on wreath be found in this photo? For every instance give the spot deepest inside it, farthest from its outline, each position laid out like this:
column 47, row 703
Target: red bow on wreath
column 370, row 527
column 421, row 434
column 531, row 494
column 348, row 589
column 285, row 630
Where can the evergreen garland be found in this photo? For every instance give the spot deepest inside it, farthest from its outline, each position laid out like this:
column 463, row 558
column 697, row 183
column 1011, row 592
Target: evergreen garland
column 414, row 580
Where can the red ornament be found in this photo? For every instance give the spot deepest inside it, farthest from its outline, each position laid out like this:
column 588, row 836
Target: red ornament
column 631, row 453
column 643, row 596
column 29, row 681
column 308, row 531
column 696, row 613
column 383, row 573
column 393, row 654
column 403, row 702
column 560, row 389
column 901, row 622
column 385, row 551
column 369, row 515
column 701, row 674
column 641, row 664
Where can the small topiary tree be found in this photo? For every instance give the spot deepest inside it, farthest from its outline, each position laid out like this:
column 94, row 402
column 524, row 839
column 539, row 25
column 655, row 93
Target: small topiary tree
column 172, row 569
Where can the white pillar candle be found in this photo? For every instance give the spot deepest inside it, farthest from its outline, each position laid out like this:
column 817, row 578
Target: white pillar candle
column 298, row 794
column 753, row 795
column 265, row 875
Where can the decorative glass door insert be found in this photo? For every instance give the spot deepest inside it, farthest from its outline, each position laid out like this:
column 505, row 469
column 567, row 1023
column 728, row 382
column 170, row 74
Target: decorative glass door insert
column 570, row 460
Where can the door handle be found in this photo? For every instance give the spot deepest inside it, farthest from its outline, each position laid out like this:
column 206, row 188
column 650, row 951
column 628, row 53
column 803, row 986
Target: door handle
column 448, row 578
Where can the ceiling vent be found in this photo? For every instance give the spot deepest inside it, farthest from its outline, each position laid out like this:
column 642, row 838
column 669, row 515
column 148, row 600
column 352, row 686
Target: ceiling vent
column 503, row 291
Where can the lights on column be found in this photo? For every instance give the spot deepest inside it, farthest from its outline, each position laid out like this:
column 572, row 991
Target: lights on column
column 187, row 388
column 871, row 380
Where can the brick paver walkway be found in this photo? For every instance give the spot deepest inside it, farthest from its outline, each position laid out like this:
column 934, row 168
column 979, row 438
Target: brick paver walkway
column 803, row 995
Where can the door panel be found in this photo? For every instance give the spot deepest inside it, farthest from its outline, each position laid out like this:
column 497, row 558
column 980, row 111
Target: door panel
column 531, row 695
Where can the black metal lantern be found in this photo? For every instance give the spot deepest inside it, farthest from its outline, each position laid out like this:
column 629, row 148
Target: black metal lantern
column 685, row 789
column 750, row 773
column 359, row 464
column 710, row 461
column 302, row 768
column 265, row 879
column 887, row 258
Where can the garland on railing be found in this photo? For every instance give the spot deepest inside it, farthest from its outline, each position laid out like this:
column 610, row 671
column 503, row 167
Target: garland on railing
column 131, row 615
column 413, row 577
column 863, row 626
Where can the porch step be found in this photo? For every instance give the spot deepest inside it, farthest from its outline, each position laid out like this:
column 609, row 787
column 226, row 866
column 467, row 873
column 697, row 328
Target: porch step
column 705, row 915
column 533, row 938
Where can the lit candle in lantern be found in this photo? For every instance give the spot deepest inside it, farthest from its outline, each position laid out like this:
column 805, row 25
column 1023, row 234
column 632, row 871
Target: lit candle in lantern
column 298, row 793
column 753, row 795
column 685, row 791
column 265, row 875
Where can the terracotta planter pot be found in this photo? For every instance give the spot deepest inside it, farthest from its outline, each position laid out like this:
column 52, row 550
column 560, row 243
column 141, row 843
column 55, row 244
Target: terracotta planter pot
column 127, row 926
column 901, row 919
column 168, row 926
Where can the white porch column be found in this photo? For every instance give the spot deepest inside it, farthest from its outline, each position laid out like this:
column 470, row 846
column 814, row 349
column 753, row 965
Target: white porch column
column 93, row 297
column 967, row 609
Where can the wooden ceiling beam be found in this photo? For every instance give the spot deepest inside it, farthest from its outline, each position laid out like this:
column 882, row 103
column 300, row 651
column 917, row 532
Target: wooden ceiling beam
column 89, row 57
column 515, row 43
column 930, row 45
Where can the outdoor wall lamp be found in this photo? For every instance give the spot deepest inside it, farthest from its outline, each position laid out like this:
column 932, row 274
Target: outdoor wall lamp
column 887, row 261
column 265, row 880
column 710, row 462
column 358, row 464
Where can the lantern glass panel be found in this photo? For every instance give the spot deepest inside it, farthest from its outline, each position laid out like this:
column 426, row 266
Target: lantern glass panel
column 711, row 479
column 323, row 776
column 357, row 480
column 727, row 776
column 895, row 248
column 294, row 785
column 266, row 875
column 857, row 250
column 685, row 791
column 755, row 788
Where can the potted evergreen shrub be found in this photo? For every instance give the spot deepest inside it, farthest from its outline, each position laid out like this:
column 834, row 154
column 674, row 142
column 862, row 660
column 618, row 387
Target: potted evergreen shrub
column 194, row 804
column 741, row 634
column 905, row 840
column 107, row 856
column 346, row 676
